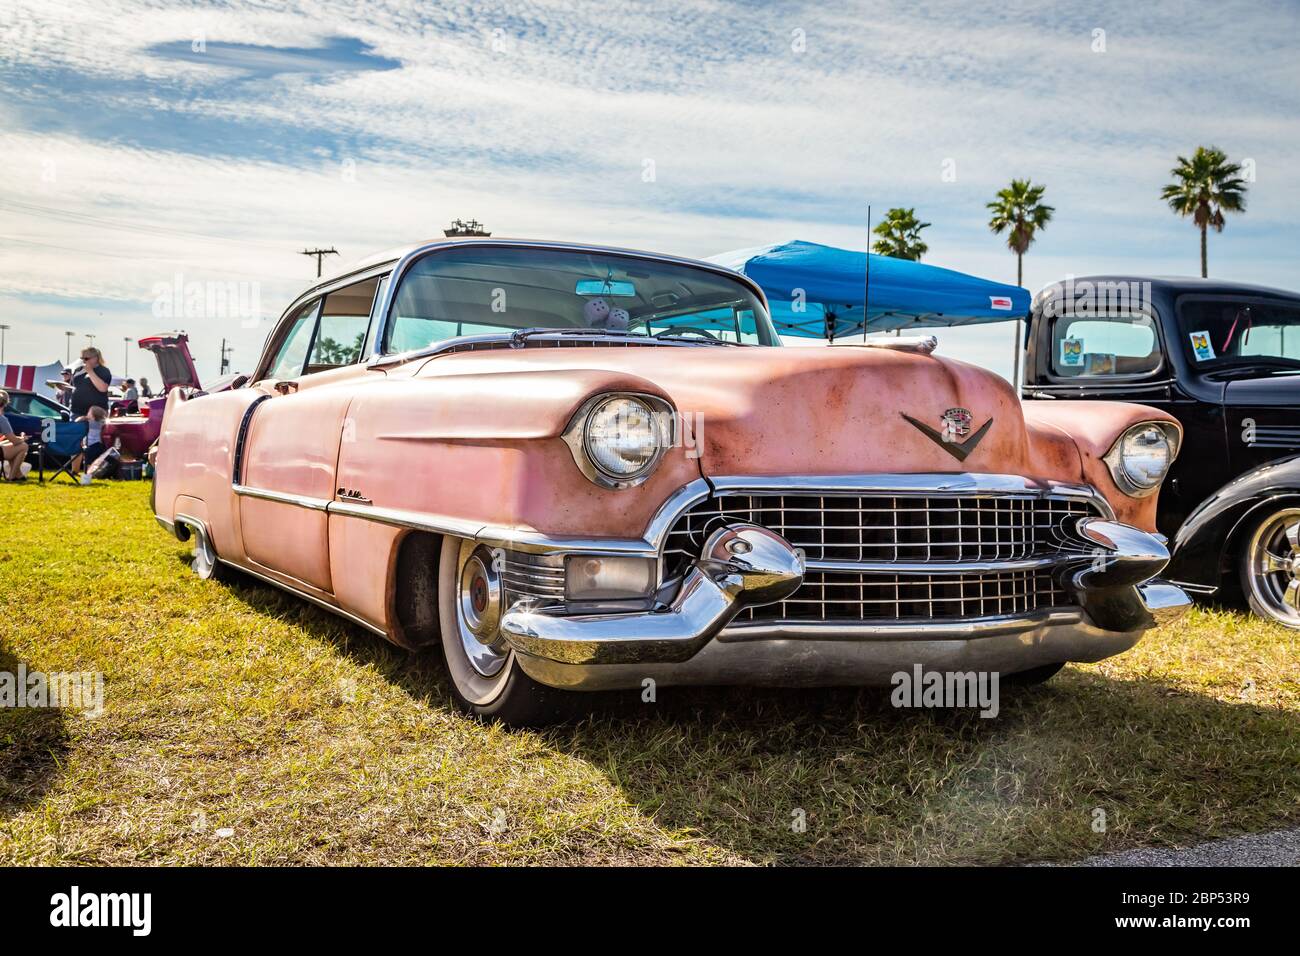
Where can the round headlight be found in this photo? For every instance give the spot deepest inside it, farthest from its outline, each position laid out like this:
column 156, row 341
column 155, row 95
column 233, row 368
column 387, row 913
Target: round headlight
column 622, row 438
column 1145, row 456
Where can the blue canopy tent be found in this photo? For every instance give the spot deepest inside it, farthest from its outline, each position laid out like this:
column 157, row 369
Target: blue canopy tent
column 903, row 294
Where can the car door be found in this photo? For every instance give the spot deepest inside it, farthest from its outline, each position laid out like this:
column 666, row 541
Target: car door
column 291, row 435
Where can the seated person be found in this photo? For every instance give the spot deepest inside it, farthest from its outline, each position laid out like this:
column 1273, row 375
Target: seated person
column 13, row 447
column 95, row 418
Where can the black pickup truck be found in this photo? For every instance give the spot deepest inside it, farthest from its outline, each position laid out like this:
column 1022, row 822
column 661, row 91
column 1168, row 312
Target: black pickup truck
column 1224, row 359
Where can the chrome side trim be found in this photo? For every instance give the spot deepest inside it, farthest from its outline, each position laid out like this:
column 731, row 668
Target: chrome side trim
column 283, row 497
column 400, row 518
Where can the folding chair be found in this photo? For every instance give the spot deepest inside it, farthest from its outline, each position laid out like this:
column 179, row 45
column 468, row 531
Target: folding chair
column 59, row 447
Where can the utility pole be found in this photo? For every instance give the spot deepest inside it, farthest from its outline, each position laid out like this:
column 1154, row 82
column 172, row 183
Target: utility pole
column 126, row 355
column 320, row 254
column 68, row 360
column 225, row 357
column 3, row 330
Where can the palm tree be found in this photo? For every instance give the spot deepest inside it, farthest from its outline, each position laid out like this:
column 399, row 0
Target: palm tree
column 900, row 235
column 1020, row 213
column 1206, row 187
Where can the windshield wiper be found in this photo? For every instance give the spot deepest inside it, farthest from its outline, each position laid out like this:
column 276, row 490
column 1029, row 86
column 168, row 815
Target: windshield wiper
column 520, row 336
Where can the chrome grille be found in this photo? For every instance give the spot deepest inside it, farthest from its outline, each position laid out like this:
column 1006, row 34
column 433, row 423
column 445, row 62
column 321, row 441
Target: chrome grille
column 883, row 529
column 855, row 596
column 533, row 575
column 889, row 527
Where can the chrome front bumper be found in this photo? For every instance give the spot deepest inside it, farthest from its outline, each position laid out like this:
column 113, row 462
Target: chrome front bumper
column 693, row 640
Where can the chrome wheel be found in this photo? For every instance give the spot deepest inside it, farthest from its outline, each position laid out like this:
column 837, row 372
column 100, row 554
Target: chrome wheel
column 469, row 599
column 1271, row 572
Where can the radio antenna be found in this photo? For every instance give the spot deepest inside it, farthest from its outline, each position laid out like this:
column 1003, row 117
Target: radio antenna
column 866, row 287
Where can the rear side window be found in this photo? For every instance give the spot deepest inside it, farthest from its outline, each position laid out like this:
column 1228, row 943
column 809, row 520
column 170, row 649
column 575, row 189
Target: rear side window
column 344, row 320
column 1098, row 347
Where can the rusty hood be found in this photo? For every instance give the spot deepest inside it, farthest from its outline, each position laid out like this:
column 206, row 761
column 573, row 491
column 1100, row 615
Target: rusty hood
column 781, row 411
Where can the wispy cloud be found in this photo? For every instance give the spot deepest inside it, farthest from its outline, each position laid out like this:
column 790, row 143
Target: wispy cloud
column 219, row 140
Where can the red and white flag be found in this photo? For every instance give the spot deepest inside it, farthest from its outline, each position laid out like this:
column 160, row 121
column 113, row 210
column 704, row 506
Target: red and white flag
column 1000, row 302
column 31, row 378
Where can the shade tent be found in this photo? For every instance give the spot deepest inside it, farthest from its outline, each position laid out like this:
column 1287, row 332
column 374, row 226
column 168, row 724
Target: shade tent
column 817, row 291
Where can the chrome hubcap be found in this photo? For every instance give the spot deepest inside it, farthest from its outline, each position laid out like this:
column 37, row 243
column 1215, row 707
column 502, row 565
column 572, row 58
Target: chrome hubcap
column 478, row 611
column 1275, row 566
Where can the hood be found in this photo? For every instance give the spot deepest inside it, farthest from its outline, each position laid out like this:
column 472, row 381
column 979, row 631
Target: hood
column 175, row 364
column 791, row 411
column 1280, row 388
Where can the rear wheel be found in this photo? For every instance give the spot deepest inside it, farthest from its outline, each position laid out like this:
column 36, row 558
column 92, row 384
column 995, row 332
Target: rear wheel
column 486, row 679
column 205, row 563
column 1270, row 567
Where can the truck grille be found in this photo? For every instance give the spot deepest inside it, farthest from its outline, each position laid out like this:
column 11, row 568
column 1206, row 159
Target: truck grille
column 886, row 529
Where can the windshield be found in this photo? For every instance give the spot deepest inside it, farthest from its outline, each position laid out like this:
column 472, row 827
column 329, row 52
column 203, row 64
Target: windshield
column 1240, row 332
column 1093, row 346
column 477, row 289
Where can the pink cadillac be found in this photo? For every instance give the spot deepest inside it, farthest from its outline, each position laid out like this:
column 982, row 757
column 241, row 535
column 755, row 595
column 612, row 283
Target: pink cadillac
column 575, row 468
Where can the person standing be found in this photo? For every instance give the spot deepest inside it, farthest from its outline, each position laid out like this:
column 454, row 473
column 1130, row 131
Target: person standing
column 145, row 390
column 90, row 383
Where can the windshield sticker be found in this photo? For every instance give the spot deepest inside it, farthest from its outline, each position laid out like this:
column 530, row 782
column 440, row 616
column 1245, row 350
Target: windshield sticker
column 1071, row 352
column 1100, row 363
column 1201, row 346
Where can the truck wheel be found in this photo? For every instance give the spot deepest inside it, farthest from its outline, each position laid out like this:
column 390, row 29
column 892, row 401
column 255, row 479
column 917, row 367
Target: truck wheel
column 486, row 680
column 1270, row 567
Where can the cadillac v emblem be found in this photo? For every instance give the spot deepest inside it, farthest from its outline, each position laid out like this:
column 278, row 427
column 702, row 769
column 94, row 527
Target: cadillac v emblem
column 955, row 437
column 956, row 422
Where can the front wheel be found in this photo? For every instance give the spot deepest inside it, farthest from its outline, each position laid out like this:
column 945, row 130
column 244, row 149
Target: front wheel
column 1270, row 567
column 486, row 679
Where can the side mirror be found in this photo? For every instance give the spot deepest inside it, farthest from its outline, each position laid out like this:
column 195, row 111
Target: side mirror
column 239, row 382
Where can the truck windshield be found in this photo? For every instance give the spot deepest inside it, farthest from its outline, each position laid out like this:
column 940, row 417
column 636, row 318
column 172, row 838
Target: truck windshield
column 1240, row 332
column 476, row 289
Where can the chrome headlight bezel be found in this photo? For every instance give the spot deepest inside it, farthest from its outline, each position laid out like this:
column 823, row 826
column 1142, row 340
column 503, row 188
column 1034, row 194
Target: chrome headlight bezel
column 576, row 436
column 1119, row 472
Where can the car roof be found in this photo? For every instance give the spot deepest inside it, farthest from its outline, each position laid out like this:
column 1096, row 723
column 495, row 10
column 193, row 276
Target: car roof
column 401, row 252
column 1180, row 284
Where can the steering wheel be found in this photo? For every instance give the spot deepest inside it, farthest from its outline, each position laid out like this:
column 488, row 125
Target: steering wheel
column 685, row 330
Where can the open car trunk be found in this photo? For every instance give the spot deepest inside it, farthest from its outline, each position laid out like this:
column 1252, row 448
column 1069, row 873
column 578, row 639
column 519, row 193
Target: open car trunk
column 175, row 363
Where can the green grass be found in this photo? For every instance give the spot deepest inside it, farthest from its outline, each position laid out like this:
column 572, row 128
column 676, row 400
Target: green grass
column 234, row 707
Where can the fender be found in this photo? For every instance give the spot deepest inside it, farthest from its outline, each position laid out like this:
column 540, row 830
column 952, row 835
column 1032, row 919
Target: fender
column 1204, row 544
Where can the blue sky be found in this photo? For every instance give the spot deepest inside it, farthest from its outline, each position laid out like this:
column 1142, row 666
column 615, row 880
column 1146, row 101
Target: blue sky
column 212, row 142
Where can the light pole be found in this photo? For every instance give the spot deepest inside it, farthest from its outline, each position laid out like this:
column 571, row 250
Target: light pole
column 126, row 355
column 68, row 360
column 3, row 330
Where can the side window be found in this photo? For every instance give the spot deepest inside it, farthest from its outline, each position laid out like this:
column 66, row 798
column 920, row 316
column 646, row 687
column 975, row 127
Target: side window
column 292, row 354
column 344, row 321
column 1096, row 347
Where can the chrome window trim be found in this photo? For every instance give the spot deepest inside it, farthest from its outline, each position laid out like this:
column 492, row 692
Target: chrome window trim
column 409, row 259
column 319, row 291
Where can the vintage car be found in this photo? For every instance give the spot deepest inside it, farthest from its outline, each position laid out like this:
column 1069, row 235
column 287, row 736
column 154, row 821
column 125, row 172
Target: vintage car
column 137, row 430
column 1224, row 359
column 579, row 468
column 28, row 411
